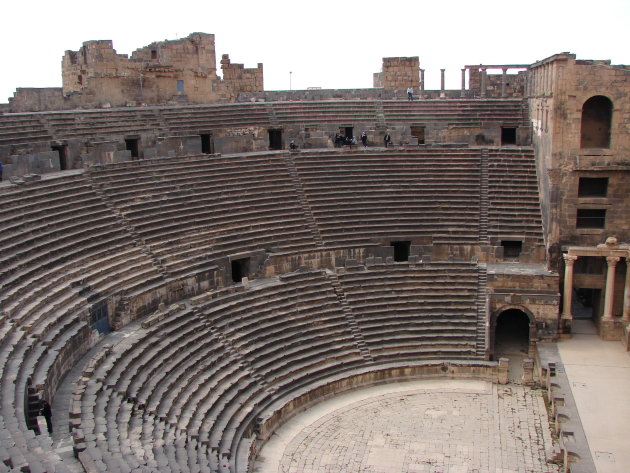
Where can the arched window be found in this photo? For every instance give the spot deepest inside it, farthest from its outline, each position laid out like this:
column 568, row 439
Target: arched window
column 596, row 122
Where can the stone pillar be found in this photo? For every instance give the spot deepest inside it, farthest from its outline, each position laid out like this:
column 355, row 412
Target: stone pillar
column 503, row 81
column 442, row 94
column 504, row 367
column 568, row 285
column 483, row 83
column 528, row 372
column 626, row 293
column 421, row 83
column 463, row 91
column 610, row 286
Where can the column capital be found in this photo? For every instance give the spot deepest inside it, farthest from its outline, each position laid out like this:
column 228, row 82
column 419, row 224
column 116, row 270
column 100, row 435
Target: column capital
column 612, row 260
column 569, row 259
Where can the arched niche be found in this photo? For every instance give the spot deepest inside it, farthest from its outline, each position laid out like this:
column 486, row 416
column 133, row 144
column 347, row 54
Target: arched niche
column 596, row 122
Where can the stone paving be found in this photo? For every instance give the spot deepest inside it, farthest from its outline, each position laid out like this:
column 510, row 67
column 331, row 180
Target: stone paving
column 439, row 426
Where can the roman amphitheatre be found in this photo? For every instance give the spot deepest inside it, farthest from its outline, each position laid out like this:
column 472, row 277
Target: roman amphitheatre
column 201, row 275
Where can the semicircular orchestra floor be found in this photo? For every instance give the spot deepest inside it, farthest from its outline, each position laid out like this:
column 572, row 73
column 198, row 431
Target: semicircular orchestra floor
column 436, row 426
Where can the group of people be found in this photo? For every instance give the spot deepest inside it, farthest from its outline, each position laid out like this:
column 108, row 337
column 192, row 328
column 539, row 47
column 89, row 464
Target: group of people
column 341, row 140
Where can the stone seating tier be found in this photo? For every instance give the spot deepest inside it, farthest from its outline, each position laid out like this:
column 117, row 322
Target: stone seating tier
column 57, row 258
column 177, row 120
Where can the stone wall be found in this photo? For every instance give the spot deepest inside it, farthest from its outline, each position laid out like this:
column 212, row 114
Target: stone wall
column 558, row 88
column 399, row 73
column 241, row 79
column 514, row 84
column 166, row 72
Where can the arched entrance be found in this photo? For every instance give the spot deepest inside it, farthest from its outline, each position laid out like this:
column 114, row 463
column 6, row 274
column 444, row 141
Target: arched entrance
column 596, row 122
column 511, row 333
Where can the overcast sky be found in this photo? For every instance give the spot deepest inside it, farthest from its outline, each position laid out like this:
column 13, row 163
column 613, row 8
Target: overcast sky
column 328, row 44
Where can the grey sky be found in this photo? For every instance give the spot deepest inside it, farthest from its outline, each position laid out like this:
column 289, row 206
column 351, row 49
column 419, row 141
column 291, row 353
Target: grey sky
column 324, row 43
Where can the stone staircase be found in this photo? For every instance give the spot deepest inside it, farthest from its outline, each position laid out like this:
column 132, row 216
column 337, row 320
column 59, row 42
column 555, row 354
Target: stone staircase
column 482, row 312
column 354, row 327
column 483, row 199
column 308, row 213
column 136, row 237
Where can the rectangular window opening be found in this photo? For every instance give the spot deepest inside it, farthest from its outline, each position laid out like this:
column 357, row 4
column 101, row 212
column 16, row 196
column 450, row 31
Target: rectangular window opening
column 63, row 155
column 512, row 248
column 133, row 145
column 180, row 86
column 401, row 250
column 207, row 145
column 417, row 131
column 275, row 139
column 593, row 187
column 508, row 136
column 591, row 218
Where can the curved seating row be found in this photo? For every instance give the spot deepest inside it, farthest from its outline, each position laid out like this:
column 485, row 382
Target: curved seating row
column 187, row 119
column 74, row 243
column 514, row 203
column 187, row 393
column 428, row 195
column 190, row 213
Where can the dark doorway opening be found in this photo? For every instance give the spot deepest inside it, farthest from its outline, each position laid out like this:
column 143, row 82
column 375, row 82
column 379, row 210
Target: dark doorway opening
column 585, row 303
column 596, row 122
column 511, row 334
column 275, row 139
column 508, row 136
column 511, row 249
column 240, row 269
column 417, row 131
column 133, row 145
column 63, row 155
column 99, row 318
column 401, row 250
column 348, row 132
column 207, row 144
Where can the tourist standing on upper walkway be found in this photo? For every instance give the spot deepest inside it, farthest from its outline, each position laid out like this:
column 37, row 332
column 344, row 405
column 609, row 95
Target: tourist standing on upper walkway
column 364, row 139
column 410, row 94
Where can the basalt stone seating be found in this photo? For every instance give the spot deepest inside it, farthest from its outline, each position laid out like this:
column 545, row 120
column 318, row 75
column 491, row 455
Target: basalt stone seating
column 211, row 363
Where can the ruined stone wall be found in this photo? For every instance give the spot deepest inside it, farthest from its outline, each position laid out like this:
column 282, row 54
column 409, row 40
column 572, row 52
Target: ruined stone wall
column 168, row 72
column 514, row 84
column 179, row 71
column 558, row 88
column 31, row 99
column 401, row 72
column 241, row 79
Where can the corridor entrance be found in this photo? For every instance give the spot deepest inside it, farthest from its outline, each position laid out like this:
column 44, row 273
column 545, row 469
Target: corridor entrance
column 511, row 334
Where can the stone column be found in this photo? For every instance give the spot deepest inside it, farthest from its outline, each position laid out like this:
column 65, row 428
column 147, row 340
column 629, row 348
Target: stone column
column 503, row 81
column 610, row 286
column 483, row 83
column 626, row 293
column 463, row 91
column 442, row 94
column 421, row 83
column 568, row 285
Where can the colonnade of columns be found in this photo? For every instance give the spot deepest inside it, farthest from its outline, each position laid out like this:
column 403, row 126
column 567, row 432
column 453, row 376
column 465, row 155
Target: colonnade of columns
column 611, row 262
column 484, row 79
